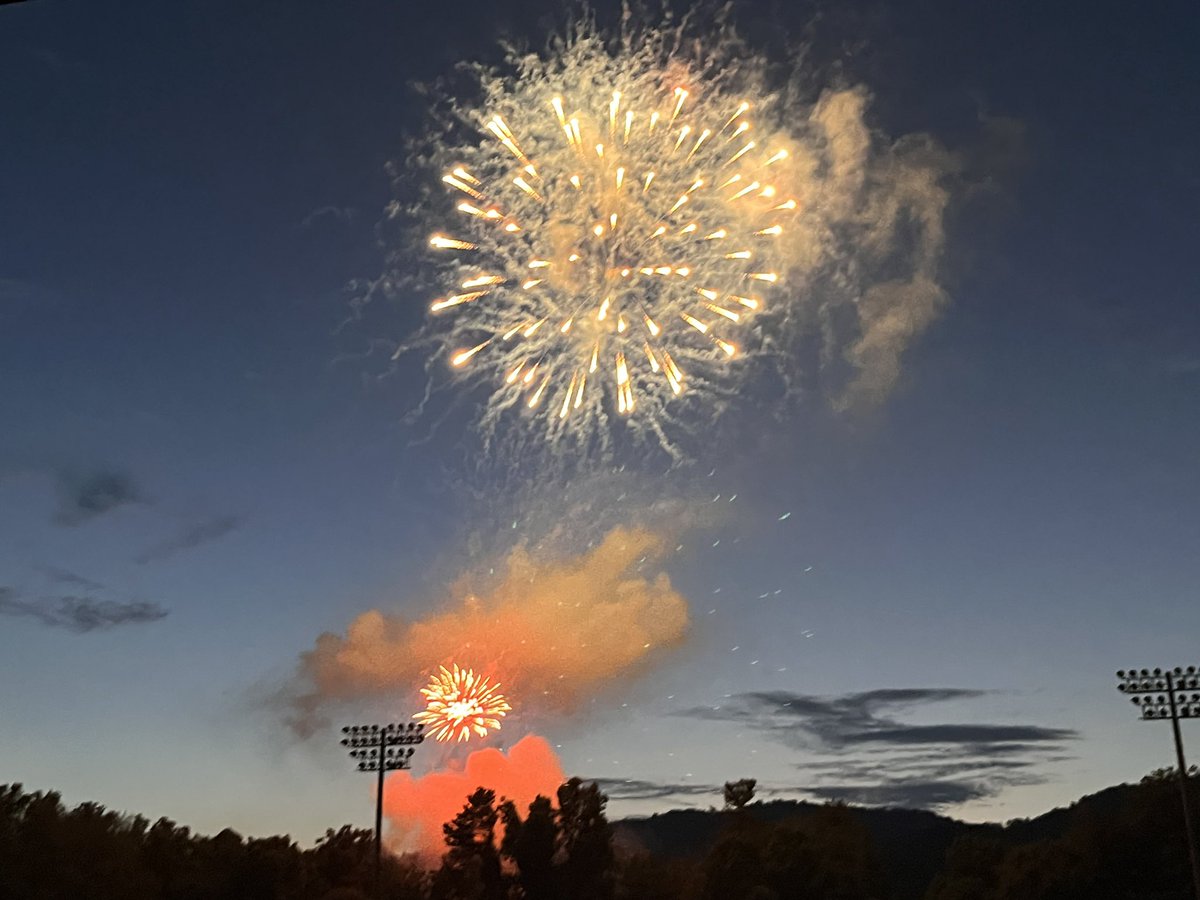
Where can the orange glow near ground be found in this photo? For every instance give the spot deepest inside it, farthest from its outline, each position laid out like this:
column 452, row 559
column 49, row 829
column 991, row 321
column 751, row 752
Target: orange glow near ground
column 418, row 807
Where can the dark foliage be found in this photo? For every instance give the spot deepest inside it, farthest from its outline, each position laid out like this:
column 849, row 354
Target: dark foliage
column 1125, row 842
column 825, row 856
column 585, row 841
column 48, row 852
column 551, row 854
column 471, row 866
column 910, row 844
column 739, row 793
column 531, row 845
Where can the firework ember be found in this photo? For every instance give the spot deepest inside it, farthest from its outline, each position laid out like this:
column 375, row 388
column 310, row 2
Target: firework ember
column 614, row 240
column 461, row 704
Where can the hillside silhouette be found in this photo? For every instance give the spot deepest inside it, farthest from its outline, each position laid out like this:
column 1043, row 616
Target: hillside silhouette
column 1122, row 843
column 910, row 844
column 924, row 854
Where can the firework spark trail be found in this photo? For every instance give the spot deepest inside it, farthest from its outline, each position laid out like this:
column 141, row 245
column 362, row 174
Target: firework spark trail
column 460, row 704
column 617, row 229
column 634, row 232
column 632, row 244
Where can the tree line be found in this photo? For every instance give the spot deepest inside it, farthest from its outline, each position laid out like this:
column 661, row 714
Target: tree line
column 1122, row 844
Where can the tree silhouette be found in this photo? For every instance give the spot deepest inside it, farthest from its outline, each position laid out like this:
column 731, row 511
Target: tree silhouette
column 970, row 871
column 471, row 866
column 646, row 877
column 48, row 852
column 826, row 855
column 1131, row 846
column 1126, row 842
column 531, row 846
column 739, row 793
column 343, row 859
column 733, row 868
column 585, row 839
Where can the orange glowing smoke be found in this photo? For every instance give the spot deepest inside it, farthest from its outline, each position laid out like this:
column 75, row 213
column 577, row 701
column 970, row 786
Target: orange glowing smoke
column 460, row 704
column 418, row 807
column 561, row 629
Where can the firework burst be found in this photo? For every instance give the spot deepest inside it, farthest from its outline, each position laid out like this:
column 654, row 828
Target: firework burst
column 616, row 235
column 460, row 704
column 633, row 231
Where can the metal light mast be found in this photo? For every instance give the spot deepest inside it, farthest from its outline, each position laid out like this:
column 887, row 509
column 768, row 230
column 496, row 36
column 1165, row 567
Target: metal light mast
column 1163, row 695
column 381, row 749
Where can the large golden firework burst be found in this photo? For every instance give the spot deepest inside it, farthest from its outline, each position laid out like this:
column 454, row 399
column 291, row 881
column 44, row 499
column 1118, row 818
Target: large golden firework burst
column 460, row 704
column 614, row 240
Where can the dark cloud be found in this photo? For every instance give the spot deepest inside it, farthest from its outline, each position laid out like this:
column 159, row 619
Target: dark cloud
column 65, row 576
column 962, row 734
column 335, row 213
column 866, row 754
column 638, row 789
column 926, row 781
column 192, row 536
column 909, row 794
column 84, row 497
column 830, row 721
column 936, row 764
column 79, row 614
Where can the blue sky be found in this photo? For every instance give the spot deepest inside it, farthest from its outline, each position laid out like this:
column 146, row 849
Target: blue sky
column 186, row 189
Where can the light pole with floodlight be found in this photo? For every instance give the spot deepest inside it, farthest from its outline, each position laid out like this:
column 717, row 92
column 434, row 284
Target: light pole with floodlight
column 1162, row 695
column 382, row 749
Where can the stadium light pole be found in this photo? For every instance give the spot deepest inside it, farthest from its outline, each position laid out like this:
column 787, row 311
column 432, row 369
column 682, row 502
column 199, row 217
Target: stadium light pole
column 381, row 749
column 1161, row 695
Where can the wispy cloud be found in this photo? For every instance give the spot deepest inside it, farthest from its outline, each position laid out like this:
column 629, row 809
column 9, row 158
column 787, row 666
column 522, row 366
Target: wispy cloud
column 64, row 576
column 974, row 735
column 639, row 789
column 866, row 754
column 83, row 497
column 192, row 536
column 913, row 794
column 79, row 614
column 807, row 719
column 334, row 213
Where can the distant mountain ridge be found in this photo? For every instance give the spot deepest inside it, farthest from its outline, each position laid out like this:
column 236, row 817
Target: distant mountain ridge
column 911, row 843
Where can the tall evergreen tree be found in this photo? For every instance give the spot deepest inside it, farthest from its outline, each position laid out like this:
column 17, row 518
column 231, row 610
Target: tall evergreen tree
column 585, row 839
column 531, row 845
column 471, row 867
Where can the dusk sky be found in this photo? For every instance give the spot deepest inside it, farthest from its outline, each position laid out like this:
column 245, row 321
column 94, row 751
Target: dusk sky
column 922, row 602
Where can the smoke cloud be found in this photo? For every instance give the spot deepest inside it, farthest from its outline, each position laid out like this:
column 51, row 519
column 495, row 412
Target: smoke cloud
column 859, row 257
column 192, row 536
column 552, row 631
column 418, row 807
column 876, row 246
column 84, row 497
column 79, row 614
